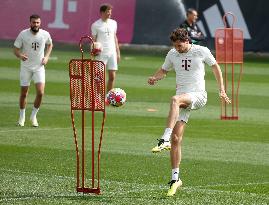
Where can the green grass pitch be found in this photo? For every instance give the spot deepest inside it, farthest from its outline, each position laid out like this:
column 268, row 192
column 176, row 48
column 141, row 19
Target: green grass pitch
column 224, row 162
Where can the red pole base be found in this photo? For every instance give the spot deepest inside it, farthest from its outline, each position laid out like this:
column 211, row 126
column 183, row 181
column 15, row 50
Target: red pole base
column 229, row 118
column 89, row 190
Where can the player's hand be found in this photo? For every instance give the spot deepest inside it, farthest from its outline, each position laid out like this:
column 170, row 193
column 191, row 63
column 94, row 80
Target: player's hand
column 224, row 96
column 23, row 57
column 96, row 52
column 152, row 80
column 44, row 60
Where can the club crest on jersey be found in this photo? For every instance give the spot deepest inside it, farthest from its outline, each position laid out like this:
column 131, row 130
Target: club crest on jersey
column 35, row 45
column 186, row 64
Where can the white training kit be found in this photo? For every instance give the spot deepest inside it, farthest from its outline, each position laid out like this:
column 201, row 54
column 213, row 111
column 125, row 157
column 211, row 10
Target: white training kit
column 104, row 32
column 190, row 72
column 33, row 46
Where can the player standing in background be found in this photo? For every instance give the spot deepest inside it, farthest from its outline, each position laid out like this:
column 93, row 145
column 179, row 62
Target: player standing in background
column 187, row 60
column 104, row 31
column 196, row 36
column 29, row 47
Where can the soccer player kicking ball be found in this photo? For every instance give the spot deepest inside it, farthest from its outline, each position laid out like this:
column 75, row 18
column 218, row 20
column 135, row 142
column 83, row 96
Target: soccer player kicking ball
column 188, row 62
column 29, row 47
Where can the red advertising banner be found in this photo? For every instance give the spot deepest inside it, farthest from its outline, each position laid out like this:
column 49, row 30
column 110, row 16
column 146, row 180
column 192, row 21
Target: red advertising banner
column 66, row 20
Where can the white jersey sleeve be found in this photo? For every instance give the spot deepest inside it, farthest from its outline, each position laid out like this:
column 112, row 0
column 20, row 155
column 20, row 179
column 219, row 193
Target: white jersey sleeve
column 48, row 38
column 168, row 65
column 116, row 27
column 19, row 40
column 94, row 30
column 208, row 57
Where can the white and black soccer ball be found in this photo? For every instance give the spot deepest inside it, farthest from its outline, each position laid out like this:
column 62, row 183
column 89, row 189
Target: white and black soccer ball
column 116, row 97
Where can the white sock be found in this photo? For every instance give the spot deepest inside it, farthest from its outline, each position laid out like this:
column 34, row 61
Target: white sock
column 34, row 112
column 167, row 133
column 175, row 174
column 22, row 113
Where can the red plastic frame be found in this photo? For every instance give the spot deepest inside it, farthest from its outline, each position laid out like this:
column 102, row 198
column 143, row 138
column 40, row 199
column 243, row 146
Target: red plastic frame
column 229, row 53
column 87, row 93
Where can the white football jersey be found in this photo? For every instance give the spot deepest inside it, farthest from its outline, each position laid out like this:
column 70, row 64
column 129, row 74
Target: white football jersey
column 33, row 46
column 189, row 67
column 105, row 32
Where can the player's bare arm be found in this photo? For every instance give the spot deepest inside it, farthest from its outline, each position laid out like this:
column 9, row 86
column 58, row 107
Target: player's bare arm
column 218, row 75
column 19, row 54
column 160, row 74
column 117, row 48
column 47, row 54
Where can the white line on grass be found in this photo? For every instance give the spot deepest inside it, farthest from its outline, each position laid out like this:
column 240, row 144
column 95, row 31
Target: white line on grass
column 37, row 197
column 146, row 190
column 113, row 181
column 70, row 128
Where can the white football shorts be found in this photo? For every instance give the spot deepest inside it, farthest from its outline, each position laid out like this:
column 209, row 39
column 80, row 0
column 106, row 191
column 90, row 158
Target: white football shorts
column 37, row 75
column 109, row 60
column 198, row 100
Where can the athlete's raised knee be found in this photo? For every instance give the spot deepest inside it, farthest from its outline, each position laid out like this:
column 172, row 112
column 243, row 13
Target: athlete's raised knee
column 174, row 99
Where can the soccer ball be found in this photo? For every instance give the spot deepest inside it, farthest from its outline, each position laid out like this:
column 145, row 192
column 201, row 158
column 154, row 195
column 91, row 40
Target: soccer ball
column 116, row 97
column 97, row 48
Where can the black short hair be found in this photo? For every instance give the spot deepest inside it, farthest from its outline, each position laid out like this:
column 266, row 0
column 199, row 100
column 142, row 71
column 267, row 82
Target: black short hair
column 34, row 16
column 190, row 11
column 180, row 34
column 105, row 7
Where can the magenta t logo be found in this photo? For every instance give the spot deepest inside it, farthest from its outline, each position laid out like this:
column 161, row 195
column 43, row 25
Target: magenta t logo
column 186, row 64
column 59, row 12
column 59, row 16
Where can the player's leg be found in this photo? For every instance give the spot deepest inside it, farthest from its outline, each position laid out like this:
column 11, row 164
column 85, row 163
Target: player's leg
column 40, row 87
column 111, row 79
column 177, row 102
column 112, row 67
column 198, row 100
column 175, row 156
column 25, row 79
column 23, row 97
column 39, row 79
